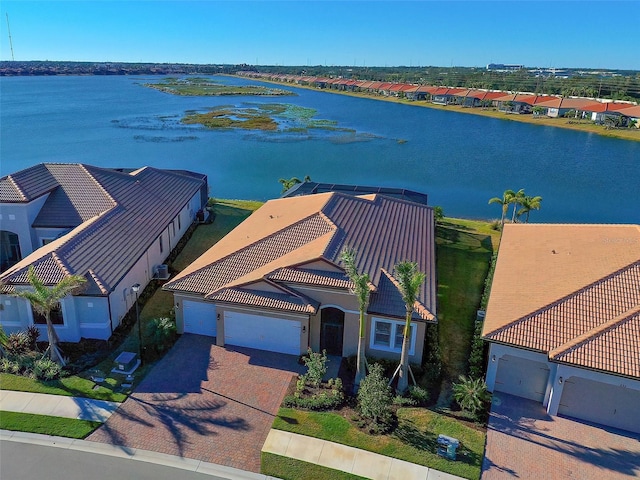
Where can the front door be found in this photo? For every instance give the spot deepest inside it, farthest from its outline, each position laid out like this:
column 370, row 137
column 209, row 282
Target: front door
column 331, row 331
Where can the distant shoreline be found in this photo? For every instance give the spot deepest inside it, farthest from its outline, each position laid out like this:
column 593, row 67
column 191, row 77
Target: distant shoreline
column 632, row 134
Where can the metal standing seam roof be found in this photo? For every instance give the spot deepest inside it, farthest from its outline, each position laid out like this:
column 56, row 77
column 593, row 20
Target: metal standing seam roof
column 594, row 326
column 384, row 231
column 109, row 243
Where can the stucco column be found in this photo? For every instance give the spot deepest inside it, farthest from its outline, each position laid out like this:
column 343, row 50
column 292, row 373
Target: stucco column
column 492, row 367
column 555, row 393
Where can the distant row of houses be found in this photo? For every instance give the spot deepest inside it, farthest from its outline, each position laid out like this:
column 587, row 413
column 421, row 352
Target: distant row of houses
column 599, row 111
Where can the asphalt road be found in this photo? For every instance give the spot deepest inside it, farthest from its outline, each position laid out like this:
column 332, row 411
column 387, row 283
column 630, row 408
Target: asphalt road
column 24, row 461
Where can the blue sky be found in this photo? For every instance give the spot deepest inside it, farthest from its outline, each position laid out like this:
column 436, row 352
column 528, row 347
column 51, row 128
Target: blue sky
column 372, row 33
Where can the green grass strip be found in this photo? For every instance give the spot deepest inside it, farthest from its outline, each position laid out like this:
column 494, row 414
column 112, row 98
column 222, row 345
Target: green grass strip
column 291, row 469
column 46, row 425
column 73, row 386
column 414, row 440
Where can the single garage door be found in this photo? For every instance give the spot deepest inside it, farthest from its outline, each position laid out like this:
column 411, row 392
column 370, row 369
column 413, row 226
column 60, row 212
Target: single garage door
column 199, row 317
column 522, row 377
column 601, row 403
column 263, row 333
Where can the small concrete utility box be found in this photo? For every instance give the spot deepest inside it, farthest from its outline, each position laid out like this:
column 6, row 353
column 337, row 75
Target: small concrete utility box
column 126, row 363
column 447, row 446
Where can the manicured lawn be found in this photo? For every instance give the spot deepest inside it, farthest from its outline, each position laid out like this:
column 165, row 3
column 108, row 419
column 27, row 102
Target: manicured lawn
column 463, row 252
column 46, row 425
column 414, row 440
column 73, row 386
column 292, row 469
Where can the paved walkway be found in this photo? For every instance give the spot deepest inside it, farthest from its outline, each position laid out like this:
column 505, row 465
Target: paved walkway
column 348, row 459
column 57, row 405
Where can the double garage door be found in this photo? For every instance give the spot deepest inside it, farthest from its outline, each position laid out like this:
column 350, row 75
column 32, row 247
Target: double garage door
column 521, row 377
column 264, row 333
column 242, row 329
column 601, row 403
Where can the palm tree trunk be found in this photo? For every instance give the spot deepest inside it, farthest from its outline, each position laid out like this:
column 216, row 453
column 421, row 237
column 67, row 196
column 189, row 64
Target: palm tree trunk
column 54, row 351
column 403, row 374
column 361, row 366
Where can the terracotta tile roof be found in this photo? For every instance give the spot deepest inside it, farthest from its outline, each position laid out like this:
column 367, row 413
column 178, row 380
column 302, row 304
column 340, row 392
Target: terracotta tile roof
column 109, row 242
column 306, row 276
column 612, row 347
column 284, row 234
column 582, row 281
column 228, row 269
column 607, row 107
column 286, row 300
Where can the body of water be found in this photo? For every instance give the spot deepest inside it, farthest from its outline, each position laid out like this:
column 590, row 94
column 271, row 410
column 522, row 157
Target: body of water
column 459, row 160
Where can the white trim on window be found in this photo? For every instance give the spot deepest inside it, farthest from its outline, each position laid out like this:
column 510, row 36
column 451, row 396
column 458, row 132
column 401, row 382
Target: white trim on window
column 388, row 333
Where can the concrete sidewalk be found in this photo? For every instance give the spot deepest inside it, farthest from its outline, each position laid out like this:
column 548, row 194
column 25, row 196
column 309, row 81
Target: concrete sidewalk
column 348, row 459
column 57, row 405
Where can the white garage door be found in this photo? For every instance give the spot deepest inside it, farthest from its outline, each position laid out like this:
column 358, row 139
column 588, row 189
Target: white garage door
column 199, row 317
column 601, row 403
column 521, row 377
column 263, row 333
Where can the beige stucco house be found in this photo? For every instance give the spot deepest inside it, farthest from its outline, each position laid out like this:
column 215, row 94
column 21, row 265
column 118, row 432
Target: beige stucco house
column 276, row 281
column 563, row 320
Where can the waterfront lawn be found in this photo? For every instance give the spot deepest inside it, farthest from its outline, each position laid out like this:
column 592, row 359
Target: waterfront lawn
column 46, row 425
column 463, row 252
column 413, row 440
column 292, row 469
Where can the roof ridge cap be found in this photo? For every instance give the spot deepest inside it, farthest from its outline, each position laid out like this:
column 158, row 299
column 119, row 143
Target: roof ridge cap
column 562, row 299
column 595, row 331
column 418, row 306
column 98, row 281
column 17, row 187
column 99, row 185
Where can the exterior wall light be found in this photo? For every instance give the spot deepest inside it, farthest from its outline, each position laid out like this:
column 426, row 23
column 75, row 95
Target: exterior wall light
column 560, row 380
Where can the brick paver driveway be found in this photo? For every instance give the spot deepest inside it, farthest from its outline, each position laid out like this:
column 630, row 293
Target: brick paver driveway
column 204, row 402
column 524, row 442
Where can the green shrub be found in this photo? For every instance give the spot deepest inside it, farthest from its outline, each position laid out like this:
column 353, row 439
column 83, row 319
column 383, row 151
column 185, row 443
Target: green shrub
column 161, row 332
column 316, row 364
column 32, row 333
column 471, row 394
column 46, row 369
column 326, row 400
column 374, row 398
column 17, row 343
column 401, row 401
column 419, row 394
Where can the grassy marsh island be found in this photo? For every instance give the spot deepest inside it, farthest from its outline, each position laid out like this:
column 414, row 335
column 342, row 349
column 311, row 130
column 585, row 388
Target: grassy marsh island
column 204, row 87
column 279, row 117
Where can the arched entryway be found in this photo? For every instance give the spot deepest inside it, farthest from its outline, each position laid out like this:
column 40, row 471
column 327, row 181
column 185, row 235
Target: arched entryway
column 9, row 250
column 331, row 330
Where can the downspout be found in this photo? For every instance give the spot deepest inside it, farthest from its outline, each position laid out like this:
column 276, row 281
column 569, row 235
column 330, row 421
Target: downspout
column 109, row 308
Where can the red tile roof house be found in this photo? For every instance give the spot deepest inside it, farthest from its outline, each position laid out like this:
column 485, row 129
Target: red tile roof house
column 276, row 282
column 563, row 320
column 112, row 227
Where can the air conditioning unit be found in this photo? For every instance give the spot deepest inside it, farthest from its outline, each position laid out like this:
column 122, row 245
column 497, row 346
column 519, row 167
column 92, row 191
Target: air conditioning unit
column 162, row 272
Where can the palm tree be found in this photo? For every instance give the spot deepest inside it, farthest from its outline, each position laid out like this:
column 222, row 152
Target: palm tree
column 410, row 280
column 362, row 291
column 505, row 201
column 44, row 299
column 529, row 203
column 516, row 200
column 287, row 184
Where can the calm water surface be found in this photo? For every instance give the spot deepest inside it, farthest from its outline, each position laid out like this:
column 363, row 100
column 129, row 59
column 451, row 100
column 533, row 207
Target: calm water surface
column 459, row 160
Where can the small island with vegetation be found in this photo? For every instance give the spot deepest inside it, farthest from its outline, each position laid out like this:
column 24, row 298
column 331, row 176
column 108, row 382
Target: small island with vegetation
column 204, row 87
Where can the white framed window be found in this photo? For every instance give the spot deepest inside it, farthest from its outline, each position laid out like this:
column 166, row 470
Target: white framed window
column 386, row 335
